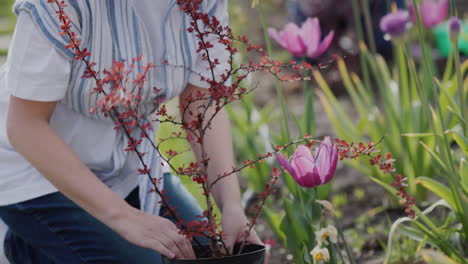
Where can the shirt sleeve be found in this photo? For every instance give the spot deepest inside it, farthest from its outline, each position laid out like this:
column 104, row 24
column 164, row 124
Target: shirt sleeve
column 36, row 70
column 202, row 67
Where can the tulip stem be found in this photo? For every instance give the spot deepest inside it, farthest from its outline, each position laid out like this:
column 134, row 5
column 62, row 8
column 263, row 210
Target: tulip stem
column 309, row 116
column 453, row 8
column 286, row 134
column 300, row 193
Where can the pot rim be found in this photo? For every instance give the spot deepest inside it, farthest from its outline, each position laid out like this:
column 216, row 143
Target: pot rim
column 228, row 257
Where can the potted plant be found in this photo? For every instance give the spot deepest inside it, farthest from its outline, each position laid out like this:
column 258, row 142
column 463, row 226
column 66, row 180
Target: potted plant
column 120, row 100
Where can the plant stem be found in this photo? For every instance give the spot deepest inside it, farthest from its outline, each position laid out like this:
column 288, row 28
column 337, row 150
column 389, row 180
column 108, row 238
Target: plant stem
column 461, row 94
column 453, row 8
column 309, row 104
column 369, row 27
column 341, row 234
column 360, row 35
column 284, row 111
column 446, row 150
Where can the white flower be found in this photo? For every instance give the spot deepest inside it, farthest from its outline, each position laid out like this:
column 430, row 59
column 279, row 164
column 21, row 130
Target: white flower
column 324, row 233
column 320, row 254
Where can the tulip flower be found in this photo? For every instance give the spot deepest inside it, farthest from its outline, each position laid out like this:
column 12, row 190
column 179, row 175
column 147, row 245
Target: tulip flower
column 309, row 171
column 432, row 12
column 396, row 24
column 303, row 41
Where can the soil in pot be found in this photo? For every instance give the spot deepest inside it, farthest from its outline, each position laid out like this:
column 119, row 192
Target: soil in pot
column 251, row 254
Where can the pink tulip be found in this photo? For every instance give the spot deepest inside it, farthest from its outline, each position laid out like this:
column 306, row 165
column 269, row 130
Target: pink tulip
column 309, row 171
column 432, row 12
column 304, row 41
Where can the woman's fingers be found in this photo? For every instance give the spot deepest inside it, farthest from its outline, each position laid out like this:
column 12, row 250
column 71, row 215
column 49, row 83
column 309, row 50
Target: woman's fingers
column 178, row 244
column 254, row 239
column 169, row 241
column 157, row 246
column 186, row 248
column 156, row 233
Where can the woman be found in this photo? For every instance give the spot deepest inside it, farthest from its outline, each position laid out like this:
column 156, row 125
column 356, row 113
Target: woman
column 68, row 190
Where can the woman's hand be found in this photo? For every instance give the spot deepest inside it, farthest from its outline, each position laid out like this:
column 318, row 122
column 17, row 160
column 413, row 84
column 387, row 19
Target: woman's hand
column 29, row 120
column 153, row 232
column 235, row 227
column 221, row 156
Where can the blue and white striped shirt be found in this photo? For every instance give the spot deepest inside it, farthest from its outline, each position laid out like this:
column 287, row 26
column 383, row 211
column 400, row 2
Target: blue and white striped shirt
column 112, row 30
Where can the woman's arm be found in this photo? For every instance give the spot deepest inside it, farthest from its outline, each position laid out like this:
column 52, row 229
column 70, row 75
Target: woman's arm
column 32, row 136
column 219, row 149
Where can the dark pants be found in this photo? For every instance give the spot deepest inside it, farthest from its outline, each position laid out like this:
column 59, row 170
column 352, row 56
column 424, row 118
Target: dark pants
column 53, row 229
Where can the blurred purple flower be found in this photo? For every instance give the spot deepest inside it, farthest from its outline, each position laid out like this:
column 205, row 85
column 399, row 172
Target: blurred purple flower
column 395, row 24
column 309, row 171
column 432, row 12
column 454, row 25
column 304, row 41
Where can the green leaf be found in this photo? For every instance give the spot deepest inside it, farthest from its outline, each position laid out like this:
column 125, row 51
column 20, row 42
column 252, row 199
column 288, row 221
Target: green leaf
column 386, row 186
column 306, row 254
column 417, row 235
column 358, row 102
column 393, row 230
column 461, row 141
column 296, row 229
column 299, row 125
column 417, row 135
column 274, row 220
column 439, row 189
column 435, row 156
column 332, row 106
column 436, row 257
column 464, row 175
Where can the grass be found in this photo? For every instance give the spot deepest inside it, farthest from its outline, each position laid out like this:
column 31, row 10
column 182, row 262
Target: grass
column 5, row 8
column 10, row 27
column 9, row 17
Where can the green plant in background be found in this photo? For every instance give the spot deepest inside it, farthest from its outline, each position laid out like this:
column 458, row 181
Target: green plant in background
column 294, row 226
column 251, row 134
column 182, row 147
column 423, row 119
column 7, row 21
column 304, row 42
column 397, row 115
column 5, row 8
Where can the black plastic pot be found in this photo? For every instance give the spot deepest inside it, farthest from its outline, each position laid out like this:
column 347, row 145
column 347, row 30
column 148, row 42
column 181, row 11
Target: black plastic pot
column 251, row 254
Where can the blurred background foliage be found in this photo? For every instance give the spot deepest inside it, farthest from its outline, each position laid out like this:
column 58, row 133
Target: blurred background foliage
column 364, row 97
column 7, row 25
